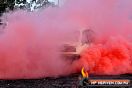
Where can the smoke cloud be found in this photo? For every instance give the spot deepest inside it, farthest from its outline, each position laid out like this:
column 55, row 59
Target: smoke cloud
column 30, row 44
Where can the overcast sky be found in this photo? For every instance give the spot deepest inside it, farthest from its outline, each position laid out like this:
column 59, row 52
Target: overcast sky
column 49, row 0
column 54, row 1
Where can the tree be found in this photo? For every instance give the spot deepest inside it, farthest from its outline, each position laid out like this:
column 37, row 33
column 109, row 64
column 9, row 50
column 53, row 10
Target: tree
column 23, row 4
column 6, row 4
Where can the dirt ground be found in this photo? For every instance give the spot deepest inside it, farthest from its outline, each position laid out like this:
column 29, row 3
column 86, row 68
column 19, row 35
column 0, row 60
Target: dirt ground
column 71, row 81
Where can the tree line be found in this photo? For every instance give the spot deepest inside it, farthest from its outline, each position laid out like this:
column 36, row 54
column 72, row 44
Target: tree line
column 13, row 4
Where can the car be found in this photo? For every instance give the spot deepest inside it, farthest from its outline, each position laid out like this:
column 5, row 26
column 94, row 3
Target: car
column 73, row 50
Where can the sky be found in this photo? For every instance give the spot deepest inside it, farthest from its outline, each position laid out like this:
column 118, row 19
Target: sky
column 54, row 1
column 49, row 0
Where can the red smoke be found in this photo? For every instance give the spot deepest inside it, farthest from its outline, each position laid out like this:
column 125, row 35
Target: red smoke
column 30, row 43
column 111, row 20
column 111, row 57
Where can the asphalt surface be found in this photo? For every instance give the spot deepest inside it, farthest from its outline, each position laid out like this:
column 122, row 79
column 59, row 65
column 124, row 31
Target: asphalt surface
column 71, row 81
column 62, row 82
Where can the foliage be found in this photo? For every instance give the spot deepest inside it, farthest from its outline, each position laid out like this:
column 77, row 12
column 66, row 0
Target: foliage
column 15, row 4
